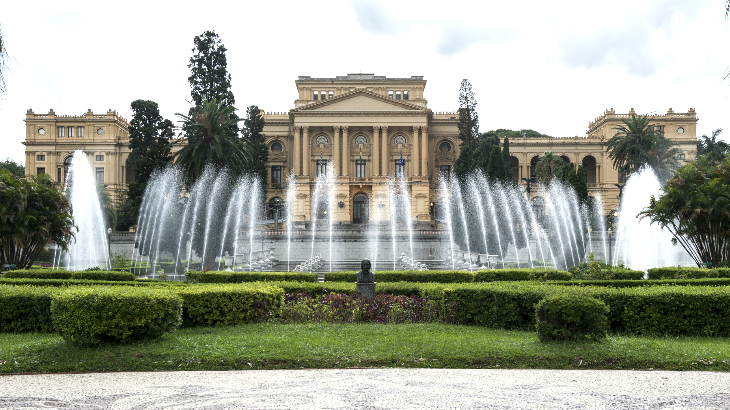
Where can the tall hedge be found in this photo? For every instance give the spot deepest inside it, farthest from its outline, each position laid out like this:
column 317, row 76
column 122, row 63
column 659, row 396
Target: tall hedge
column 26, row 308
column 230, row 304
column 683, row 272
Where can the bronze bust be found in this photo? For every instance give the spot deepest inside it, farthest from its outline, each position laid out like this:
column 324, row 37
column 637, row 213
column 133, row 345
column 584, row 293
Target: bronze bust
column 365, row 275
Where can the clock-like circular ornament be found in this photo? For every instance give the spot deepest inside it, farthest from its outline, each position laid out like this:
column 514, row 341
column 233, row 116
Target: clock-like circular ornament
column 321, row 140
column 680, row 130
column 100, row 131
column 41, row 131
column 361, row 140
column 399, row 140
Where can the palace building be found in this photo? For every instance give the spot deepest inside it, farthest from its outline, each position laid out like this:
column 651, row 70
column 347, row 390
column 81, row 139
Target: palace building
column 361, row 129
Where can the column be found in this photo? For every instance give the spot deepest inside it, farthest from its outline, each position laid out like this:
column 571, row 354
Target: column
column 376, row 151
column 296, row 160
column 424, row 150
column 384, row 143
column 306, row 152
column 336, row 151
column 346, row 151
column 415, row 148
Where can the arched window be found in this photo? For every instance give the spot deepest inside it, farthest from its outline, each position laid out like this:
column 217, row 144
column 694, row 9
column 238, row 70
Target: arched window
column 533, row 165
column 589, row 167
column 565, row 159
column 445, row 147
column 276, row 147
column 276, row 209
column 360, row 208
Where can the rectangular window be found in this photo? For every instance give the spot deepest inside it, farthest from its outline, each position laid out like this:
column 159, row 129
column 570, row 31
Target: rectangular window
column 405, row 95
column 276, row 174
column 61, row 131
column 100, row 158
column 445, row 172
column 100, row 175
column 360, row 168
column 80, row 132
column 70, row 132
column 59, row 175
column 331, row 94
column 660, row 128
column 622, row 177
column 40, row 158
column 390, row 94
column 41, row 170
column 400, row 170
column 397, row 95
column 316, row 96
column 321, row 167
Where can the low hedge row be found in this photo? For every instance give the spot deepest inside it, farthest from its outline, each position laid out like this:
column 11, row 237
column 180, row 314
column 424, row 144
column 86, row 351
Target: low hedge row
column 230, row 304
column 87, row 316
column 654, row 310
column 681, row 272
column 84, row 282
column 432, row 276
column 26, row 308
column 639, row 283
column 64, row 274
column 495, row 275
column 240, row 277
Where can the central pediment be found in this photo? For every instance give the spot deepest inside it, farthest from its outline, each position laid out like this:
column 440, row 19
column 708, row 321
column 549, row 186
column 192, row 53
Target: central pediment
column 360, row 101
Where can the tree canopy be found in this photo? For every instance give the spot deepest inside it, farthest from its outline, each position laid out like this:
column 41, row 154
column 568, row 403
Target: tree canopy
column 32, row 213
column 468, row 118
column 637, row 143
column 209, row 78
column 711, row 146
column 253, row 137
column 16, row 169
column 695, row 208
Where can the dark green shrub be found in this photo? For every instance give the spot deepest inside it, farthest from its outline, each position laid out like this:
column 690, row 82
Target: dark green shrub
column 495, row 275
column 85, row 282
column 87, row 316
column 241, row 277
column 25, row 309
column 551, row 274
column 103, row 275
column 444, row 276
column 319, row 288
column 571, row 317
column 626, row 274
column 39, row 274
column 683, row 272
column 640, row 283
column 230, row 304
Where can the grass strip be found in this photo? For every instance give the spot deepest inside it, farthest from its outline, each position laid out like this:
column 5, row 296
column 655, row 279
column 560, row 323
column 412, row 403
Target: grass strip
column 295, row 346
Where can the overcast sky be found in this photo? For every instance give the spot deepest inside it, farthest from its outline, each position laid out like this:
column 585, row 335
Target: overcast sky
column 549, row 66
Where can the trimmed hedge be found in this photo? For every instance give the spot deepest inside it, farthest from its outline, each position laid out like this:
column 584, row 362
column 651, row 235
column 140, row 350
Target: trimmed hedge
column 427, row 276
column 626, row 274
column 640, row 283
column 682, row 272
column 85, row 282
column 25, row 309
column 496, row 275
column 571, row 317
column 64, row 274
column 230, row 304
column 241, row 277
column 87, row 316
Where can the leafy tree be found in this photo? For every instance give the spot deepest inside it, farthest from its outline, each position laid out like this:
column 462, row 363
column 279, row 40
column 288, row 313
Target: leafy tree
column 16, row 169
column 712, row 147
column 209, row 140
column 253, row 128
column 483, row 152
column 637, row 143
column 695, row 208
column 548, row 167
column 496, row 171
column 506, row 158
column 150, row 138
column 32, row 213
column 468, row 118
column 578, row 181
column 464, row 164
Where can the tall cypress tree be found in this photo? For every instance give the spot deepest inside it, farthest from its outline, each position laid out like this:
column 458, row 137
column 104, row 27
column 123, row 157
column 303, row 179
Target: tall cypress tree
column 468, row 118
column 496, row 171
column 253, row 128
column 506, row 158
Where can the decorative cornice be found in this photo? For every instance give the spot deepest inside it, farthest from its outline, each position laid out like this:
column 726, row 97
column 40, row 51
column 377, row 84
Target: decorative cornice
column 352, row 94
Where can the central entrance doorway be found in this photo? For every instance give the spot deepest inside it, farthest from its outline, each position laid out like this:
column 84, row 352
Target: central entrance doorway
column 360, row 206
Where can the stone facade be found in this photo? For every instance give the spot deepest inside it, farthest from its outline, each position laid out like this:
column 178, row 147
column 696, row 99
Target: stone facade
column 360, row 124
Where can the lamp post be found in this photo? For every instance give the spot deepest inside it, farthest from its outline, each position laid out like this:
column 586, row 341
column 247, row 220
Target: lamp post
column 109, row 247
column 529, row 181
column 620, row 192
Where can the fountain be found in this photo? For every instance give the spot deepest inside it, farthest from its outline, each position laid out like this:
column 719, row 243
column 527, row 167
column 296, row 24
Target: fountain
column 90, row 248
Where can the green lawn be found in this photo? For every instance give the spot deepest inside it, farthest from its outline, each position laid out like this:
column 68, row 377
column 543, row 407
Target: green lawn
column 294, row 346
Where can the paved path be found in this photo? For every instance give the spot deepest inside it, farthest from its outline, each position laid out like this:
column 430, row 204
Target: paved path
column 370, row 389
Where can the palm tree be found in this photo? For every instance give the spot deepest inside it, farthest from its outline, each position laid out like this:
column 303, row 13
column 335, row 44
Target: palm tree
column 636, row 143
column 210, row 141
column 549, row 166
column 711, row 147
column 662, row 155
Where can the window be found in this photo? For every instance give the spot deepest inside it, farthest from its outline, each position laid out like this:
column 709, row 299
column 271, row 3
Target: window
column 660, row 128
column 321, row 167
column 40, row 158
column 360, row 168
column 622, row 177
column 276, row 174
column 70, row 132
column 405, row 95
column 445, row 172
column 321, row 140
column 61, row 131
column 331, row 94
column 80, row 132
column 400, row 169
column 316, row 96
column 360, row 207
column 100, row 158
column 41, row 170
column 276, row 147
column 444, row 147
column 390, row 94
column 100, row 175
column 59, row 175
column 276, row 209
column 324, row 95
column 680, row 156
column 397, row 95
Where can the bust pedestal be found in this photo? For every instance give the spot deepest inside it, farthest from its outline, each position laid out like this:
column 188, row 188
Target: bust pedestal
column 365, row 290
